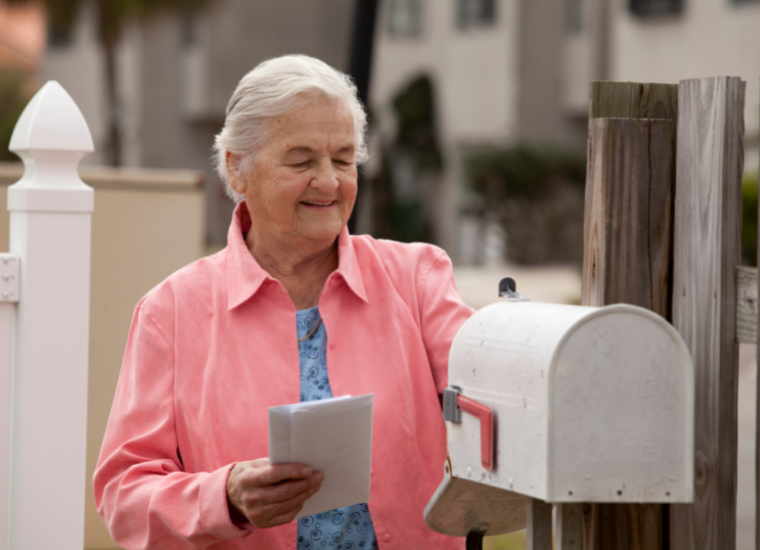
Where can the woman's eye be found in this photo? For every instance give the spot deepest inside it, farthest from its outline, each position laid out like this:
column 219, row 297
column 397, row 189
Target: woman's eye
column 303, row 164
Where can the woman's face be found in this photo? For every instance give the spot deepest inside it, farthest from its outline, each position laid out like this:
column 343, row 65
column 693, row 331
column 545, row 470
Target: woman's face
column 301, row 186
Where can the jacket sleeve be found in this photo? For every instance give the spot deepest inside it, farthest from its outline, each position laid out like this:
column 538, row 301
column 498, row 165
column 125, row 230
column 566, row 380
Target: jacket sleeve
column 141, row 491
column 442, row 313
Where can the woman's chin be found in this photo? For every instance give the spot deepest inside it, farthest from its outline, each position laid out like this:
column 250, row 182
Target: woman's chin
column 322, row 236
column 322, row 230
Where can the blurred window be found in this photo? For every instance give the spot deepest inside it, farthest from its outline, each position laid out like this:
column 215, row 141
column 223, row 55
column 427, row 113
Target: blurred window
column 645, row 8
column 476, row 13
column 405, row 17
column 574, row 16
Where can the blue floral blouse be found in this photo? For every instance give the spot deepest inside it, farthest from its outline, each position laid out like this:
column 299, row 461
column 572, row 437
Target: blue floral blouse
column 348, row 528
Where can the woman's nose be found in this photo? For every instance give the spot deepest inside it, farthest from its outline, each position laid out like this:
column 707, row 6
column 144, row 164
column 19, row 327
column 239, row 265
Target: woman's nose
column 326, row 178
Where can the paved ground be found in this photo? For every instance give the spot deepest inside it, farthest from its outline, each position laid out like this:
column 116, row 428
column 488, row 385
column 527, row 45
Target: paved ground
column 478, row 286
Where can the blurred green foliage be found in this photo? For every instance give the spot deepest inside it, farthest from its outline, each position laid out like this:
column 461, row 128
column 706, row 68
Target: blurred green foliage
column 410, row 165
column 408, row 222
column 523, row 172
column 536, row 194
column 510, row 541
column 415, row 115
column 749, row 219
column 13, row 99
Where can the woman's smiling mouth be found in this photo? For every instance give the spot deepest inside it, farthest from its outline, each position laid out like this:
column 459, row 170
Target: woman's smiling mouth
column 318, row 204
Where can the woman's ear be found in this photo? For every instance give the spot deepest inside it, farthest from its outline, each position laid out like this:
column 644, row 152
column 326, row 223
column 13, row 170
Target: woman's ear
column 237, row 181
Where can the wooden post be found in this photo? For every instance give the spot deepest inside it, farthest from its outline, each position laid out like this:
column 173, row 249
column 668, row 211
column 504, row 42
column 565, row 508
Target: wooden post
column 569, row 526
column 628, row 247
column 539, row 525
column 628, row 221
column 50, row 216
column 707, row 251
column 633, row 100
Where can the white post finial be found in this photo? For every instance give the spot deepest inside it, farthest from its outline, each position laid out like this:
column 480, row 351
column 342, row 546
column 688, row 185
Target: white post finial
column 51, row 137
column 50, row 219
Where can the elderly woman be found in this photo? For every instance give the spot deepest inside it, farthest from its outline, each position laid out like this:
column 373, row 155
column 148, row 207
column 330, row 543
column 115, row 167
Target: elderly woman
column 293, row 309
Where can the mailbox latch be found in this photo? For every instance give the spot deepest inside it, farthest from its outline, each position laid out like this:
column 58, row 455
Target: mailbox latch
column 508, row 290
column 454, row 402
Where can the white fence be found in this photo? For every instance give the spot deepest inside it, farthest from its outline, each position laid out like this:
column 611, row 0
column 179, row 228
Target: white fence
column 44, row 327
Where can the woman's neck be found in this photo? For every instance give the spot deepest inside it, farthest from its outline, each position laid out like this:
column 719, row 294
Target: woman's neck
column 302, row 272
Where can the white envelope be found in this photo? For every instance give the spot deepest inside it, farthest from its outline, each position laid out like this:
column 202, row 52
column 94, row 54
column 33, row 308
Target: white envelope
column 333, row 436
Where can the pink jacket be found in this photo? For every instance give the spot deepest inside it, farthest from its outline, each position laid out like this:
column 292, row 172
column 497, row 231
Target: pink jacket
column 214, row 345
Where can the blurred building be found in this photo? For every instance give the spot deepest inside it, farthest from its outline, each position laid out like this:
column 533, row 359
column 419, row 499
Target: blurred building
column 175, row 77
column 671, row 40
column 512, row 71
column 502, row 72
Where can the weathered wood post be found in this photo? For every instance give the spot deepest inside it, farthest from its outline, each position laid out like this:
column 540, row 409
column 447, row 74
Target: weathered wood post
column 539, row 536
column 707, row 251
column 569, row 533
column 627, row 253
column 50, row 214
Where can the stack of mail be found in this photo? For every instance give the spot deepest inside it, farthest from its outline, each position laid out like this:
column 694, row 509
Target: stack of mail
column 332, row 436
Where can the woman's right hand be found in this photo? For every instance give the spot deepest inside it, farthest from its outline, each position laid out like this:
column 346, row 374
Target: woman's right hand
column 268, row 495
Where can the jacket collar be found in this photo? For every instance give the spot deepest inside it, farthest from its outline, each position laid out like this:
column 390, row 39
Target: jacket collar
column 245, row 276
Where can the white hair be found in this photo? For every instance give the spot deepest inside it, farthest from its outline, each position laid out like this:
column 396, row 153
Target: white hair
column 273, row 88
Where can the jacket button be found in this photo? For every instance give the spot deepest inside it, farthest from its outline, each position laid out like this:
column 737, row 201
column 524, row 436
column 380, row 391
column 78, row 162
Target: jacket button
column 332, row 345
column 387, row 537
column 371, row 471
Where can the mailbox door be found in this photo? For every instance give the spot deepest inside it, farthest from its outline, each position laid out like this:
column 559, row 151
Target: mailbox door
column 621, row 411
column 459, row 505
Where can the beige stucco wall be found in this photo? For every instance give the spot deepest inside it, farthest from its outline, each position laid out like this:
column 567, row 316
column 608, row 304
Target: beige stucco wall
column 146, row 225
column 474, row 73
column 711, row 38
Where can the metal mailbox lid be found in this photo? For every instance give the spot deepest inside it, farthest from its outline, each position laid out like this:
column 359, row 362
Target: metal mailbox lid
column 590, row 404
column 458, row 505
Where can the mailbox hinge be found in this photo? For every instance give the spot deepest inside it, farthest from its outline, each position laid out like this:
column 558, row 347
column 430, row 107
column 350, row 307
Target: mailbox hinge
column 454, row 402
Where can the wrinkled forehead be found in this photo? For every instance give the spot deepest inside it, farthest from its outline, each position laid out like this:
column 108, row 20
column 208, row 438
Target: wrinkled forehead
column 315, row 121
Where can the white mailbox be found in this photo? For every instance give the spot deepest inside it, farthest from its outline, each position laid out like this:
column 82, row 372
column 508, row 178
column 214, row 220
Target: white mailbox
column 589, row 405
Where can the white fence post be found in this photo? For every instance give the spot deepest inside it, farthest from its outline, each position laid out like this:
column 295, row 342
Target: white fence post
column 9, row 272
column 50, row 216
